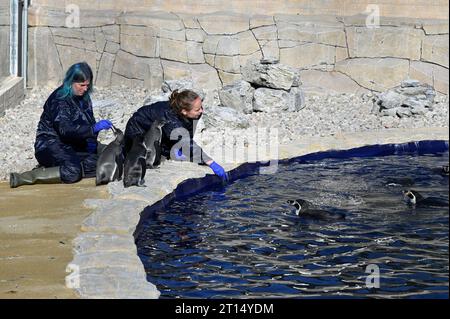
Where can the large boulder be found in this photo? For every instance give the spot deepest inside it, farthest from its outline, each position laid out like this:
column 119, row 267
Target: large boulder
column 224, row 117
column 238, row 96
column 408, row 99
column 271, row 100
column 270, row 74
column 210, row 98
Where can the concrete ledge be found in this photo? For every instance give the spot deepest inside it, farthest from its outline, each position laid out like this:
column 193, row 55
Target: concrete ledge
column 103, row 267
column 11, row 93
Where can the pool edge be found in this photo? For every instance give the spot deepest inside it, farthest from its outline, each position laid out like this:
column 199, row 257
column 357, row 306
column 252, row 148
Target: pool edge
column 129, row 269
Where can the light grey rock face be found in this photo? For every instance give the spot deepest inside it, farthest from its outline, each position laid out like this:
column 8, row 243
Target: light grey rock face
column 203, row 75
column 105, row 68
column 400, row 42
column 44, row 66
column 138, row 40
column 194, row 52
column 238, row 96
column 224, row 23
column 131, row 67
column 224, row 117
column 435, row 49
column 196, row 35
column 271, row 100
column 378, row 74
column 173, row 50
column 408, row 99
column 268, row 73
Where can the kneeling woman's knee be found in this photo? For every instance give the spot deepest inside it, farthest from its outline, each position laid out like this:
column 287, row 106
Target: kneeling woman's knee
column 71, row 173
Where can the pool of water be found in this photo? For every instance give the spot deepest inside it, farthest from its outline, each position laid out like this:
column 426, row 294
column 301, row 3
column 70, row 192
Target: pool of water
column 243, row 240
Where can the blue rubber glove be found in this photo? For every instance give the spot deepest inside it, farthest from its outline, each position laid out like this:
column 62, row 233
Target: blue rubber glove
column 179, row 156
column 102, row 125
column 91, row 146
column 219, row 171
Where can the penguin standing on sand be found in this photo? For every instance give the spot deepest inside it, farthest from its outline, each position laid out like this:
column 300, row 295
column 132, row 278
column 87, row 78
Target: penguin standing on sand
column 110, row 162
column 304, row 208
column 414, row 198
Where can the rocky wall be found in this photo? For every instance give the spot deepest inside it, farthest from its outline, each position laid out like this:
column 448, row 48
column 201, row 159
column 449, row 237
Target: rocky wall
column 335, row 54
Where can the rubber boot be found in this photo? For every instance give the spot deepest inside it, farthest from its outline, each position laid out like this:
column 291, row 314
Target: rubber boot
column 41, row 175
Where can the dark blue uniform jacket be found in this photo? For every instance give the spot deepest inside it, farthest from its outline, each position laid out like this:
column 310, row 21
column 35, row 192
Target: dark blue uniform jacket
column 142, row 119
column 68, row 121
column 64, row 129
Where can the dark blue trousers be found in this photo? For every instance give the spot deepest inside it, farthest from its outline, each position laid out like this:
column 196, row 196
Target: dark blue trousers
column 73, row 166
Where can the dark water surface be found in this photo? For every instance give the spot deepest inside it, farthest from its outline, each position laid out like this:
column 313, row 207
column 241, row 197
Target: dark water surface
column 245, row 241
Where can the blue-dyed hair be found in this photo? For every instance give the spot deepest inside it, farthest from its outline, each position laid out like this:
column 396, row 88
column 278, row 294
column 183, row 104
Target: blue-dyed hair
column 77, row 73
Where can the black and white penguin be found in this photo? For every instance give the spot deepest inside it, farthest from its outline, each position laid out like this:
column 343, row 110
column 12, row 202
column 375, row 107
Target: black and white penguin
column 135, row 164
column 304, row 208
column 110, row 161
column 152, row 141
column 443, row 170
column 414, row 198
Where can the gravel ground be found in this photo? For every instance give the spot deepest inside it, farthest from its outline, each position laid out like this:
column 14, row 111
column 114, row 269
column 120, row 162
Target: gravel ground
column 322, row 116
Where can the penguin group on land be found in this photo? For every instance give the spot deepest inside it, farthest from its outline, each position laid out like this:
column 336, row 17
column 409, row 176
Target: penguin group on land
column 145, row 153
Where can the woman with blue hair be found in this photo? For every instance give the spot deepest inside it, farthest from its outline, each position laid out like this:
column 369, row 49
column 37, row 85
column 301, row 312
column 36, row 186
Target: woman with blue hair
column 66, row 137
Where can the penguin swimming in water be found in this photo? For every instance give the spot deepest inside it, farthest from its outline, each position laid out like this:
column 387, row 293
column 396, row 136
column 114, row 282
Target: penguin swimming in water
column 414, row 198
column 444, row 170
column 304, row 208
column 152, row 141
column 110, row 161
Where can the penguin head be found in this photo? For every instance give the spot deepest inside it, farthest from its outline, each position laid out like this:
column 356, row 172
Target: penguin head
column 411, row 196
column 161, row 123
column 119, row 134
column 445, row 170
column 299, row 204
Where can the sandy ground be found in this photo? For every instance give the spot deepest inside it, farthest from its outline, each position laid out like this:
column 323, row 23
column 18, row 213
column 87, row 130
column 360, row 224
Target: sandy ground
column 37, row 226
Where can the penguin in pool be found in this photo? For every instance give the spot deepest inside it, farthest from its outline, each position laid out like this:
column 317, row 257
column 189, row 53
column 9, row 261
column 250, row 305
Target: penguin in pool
column 110, row 161
column 414, row 198
column 304, row 208
column 444, row 170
